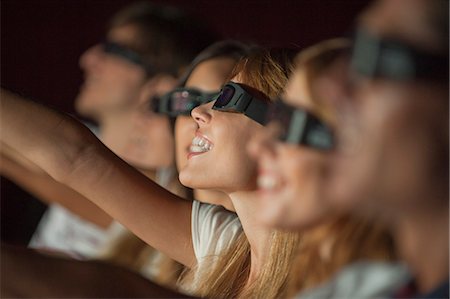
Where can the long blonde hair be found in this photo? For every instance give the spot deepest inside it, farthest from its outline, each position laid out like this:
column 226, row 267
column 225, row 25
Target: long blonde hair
column 341, row 239
column 227, row 275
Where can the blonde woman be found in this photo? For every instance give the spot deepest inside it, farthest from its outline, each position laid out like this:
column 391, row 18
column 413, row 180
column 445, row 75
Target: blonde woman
column 206, row 75
column 253, row 262
column 293, row 177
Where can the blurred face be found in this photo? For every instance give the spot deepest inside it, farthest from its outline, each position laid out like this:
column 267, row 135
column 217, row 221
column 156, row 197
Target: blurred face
column 111, row 83
column 150, row 143
column 290, row 177
column 395, row 154
column 224, row 164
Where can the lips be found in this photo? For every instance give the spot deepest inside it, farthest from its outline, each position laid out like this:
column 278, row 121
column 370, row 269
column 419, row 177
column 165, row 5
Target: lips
column 199, row 145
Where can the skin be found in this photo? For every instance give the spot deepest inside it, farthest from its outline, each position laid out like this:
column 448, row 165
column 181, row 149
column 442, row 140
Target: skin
column 208, row 76
column 111, row 83
column 396, row 171
column 233, row 172
column 291, row 174
column 80, row 161
column 228, row 152
column 115, row 92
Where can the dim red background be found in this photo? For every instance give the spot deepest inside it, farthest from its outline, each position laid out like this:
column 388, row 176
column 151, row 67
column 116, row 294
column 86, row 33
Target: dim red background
column 41, row 41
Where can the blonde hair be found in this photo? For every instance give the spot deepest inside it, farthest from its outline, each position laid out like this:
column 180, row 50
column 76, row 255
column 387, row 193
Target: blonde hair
column 314, row 62
column 227, row 275
column 342, row 239
column 326, row 249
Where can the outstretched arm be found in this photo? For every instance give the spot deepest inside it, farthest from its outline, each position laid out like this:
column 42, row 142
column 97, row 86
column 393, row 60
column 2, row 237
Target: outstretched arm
column 37, row 182
column 72, row 155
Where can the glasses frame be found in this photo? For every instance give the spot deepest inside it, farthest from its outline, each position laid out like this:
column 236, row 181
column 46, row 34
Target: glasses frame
column 388, row 58
column 242, row 102
column 165, row 103
column 127, row 54
column 300, row 126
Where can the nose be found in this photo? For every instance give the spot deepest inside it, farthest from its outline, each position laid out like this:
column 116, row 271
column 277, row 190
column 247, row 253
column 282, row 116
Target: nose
column 263, row 143
column 91, row 58
column 202, row 114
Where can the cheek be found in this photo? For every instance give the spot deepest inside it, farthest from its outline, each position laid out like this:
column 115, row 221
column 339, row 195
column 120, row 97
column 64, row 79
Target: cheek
column 305, row 181
column 123, row 75
column 184, row 133
column 161, row 139
column 240, row 167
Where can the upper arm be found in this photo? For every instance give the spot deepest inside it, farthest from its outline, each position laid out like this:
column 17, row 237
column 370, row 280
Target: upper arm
column 159, row 217
column 40, row 184
column 70, row 153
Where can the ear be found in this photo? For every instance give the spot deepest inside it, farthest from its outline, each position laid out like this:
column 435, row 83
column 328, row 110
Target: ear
column 157, row 86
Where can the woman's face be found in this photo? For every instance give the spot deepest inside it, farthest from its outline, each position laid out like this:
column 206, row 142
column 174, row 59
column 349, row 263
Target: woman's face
column 208, row 76
column 149, row 143
column 223, row 163
column 290, row 177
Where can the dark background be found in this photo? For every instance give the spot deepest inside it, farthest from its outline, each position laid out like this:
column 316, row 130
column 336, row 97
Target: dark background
column 41, row 41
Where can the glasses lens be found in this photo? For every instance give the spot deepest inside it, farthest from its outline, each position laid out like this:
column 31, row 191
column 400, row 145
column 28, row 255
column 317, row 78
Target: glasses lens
column 281, row 114
column 183, row 101
column 317, row 134
column 225, row 97
column 298, row 126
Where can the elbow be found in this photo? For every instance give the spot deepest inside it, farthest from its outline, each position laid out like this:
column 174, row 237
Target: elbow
column 77, row 146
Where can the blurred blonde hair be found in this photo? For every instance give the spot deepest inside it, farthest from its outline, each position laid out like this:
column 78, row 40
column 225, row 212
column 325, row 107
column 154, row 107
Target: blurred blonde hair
column 314, row 62
column 226, row 276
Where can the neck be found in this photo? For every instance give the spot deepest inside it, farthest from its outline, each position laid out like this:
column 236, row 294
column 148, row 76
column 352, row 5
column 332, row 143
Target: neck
column 114, row 128
column 423, row 242
column 258, row 235
column 214, row 197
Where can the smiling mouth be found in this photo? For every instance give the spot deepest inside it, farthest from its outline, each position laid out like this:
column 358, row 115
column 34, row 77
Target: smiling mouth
column 267, row 181
column 199, row 145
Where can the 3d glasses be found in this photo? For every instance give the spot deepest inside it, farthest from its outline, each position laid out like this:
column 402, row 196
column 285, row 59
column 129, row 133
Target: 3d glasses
column 234, row 98
column 378, row 57
column 298, row 126
column 127, row 54
column 181, row 101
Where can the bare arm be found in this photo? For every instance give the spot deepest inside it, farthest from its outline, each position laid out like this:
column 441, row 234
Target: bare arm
column 21, row 271
column 72, row 155
column 34, row 180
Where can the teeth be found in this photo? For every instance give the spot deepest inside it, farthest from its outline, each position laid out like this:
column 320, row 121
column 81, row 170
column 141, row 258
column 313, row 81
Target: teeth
column 267, row 182
column 199, row 145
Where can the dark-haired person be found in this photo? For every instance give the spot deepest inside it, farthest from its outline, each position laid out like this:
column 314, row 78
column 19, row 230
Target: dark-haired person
column 139, row 59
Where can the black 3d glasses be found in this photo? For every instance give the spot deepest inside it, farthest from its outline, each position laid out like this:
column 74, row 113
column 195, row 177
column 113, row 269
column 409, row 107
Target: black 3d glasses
column 127, row 54
column 181, row 101
column 377, row 57
column 234, row 98
column 298, row 126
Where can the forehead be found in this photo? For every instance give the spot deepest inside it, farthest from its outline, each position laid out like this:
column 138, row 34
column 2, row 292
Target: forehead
column 401, row 19
column 297, row 91
column 124, row 35
column 211, row 74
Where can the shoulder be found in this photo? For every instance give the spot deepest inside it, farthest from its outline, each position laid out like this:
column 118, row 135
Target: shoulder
column 362, row 280
column 213, row 229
